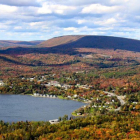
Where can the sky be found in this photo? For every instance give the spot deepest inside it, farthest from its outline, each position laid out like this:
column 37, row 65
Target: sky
column 45, row 19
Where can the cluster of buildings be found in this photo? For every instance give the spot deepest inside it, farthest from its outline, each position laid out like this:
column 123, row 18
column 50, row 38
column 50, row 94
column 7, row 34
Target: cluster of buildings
column 65, row 86
column 44, row 95
column 57, row 84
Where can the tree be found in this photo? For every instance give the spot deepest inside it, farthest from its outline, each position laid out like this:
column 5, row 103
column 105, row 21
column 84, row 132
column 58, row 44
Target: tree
column 65, row 117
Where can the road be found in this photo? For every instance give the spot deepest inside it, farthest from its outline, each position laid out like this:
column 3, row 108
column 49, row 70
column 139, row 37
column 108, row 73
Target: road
column 119, row 98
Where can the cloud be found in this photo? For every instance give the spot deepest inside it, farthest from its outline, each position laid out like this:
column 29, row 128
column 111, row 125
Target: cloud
column 70, row 29
column 42, row 19
column 18, row 28
column 49, row 8
column 110, row 21
column 81, row 21
column 20, row 2
column 89, row 2
column 71, row 2
column 99, row 9
column 5, row 9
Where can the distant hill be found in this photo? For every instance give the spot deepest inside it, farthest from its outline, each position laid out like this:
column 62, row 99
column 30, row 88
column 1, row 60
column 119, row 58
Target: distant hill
column 74, row 53
column 62, row 40
column 102, row 42
column 10, row 43
column 69, row 44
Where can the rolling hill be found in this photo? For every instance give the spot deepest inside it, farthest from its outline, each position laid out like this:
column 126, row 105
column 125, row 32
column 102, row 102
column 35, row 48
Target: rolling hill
column 73, row 52
column 69, row 44
column 89, row 41
column 62, row 40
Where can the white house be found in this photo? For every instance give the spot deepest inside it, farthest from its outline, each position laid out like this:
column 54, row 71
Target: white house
column 69, row 97
column 75, row 96
column 54, row 121
column 53, row 83
column 65, row 86
column 1, row 83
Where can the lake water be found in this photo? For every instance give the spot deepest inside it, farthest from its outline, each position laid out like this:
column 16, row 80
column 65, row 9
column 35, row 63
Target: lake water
column 15, row 108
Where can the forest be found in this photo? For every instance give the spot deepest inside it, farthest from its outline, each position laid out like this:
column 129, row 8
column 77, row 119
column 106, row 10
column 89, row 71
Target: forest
column 122, row 125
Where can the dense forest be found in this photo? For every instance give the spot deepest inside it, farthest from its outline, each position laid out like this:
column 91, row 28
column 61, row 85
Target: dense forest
column 122, row 125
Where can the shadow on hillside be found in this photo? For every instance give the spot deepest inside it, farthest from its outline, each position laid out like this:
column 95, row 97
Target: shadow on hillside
column 13, row 61
column 100, row 42
column 37, row 64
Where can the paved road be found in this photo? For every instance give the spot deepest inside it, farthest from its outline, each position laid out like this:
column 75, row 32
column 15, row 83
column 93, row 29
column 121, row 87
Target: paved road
column 119, row 98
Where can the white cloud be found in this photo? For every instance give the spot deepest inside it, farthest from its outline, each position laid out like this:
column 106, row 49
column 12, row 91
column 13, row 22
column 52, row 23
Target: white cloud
column 17, row 27
column 70, row 2
column 106, row 22
column 81, row 30
column 84, row 2
column 5, row 9
column 59, row 17
column 20, row 2
column 119, row 1
column 81, row 21
column 35, row 23
column 70, row 29
column 48, row 8
column 99, row 9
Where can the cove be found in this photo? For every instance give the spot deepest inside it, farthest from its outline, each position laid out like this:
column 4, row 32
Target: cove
column 15, row 108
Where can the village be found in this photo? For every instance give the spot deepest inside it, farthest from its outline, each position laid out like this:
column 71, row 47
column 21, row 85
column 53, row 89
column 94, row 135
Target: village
column 42, row 86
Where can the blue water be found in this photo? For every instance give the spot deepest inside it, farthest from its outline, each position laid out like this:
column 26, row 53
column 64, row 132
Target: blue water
column 15, row 108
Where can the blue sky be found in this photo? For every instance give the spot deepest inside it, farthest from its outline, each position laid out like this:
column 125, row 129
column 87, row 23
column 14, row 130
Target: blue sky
column 44, row 19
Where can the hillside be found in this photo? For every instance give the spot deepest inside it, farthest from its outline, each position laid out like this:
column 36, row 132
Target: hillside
column 72, row 44
column 62, row 40
column 68, row 52
column 101, row 42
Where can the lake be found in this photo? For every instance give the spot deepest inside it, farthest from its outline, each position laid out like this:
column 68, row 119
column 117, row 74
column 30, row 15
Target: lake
column 15, row 108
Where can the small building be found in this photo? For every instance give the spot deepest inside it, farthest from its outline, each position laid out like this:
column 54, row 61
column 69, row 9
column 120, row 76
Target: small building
column 54, row 121
column 36, row 94
column 135, row 102
column 107, row 102
column 65, row 86
column 69, row 97
column 78, row 114
column 1, row 83
column 53, row 83
column 40, row 95
column 75, row 96
column 31, row 79
column 54, row 96
column 44, row 95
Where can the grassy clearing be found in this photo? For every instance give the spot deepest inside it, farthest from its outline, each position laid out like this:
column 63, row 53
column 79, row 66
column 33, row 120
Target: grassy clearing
column 61, row 97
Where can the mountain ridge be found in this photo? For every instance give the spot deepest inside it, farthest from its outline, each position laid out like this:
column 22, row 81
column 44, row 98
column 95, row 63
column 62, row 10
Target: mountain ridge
column 70, row 43
column 92, row 41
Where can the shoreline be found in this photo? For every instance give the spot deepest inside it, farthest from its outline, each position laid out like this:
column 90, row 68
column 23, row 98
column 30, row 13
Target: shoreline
column 58, row 97
column 87, row 103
